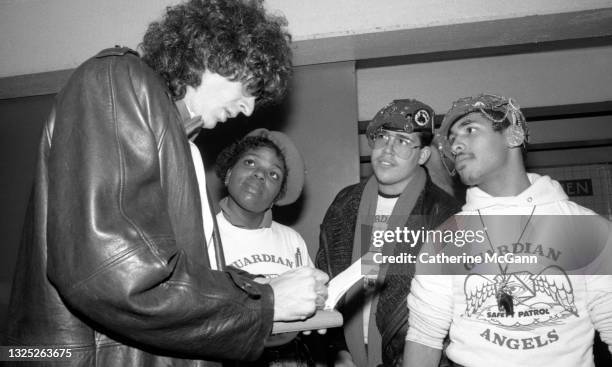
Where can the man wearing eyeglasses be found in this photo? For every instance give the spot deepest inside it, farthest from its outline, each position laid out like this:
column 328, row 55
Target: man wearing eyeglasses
column 400, row 195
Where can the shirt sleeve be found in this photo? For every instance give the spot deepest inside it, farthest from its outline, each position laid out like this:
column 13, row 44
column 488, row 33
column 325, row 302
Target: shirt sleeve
column 599, row 303
column 430, row 308
column 599, row 290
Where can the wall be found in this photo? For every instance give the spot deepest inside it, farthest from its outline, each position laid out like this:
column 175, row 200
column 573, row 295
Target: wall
column 20, row 126
column 314, row 19
column 323, row 123
column 533, row 79
column 42, row 35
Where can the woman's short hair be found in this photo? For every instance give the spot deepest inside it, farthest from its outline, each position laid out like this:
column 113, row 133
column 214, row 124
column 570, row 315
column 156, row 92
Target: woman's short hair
column 233, row 38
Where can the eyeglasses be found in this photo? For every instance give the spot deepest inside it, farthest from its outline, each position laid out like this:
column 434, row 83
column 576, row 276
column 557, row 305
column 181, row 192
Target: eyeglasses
column 402, row 145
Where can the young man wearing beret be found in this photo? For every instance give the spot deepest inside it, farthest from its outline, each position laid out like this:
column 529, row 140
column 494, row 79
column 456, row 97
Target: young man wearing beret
column 497, row 313
column 400, row 194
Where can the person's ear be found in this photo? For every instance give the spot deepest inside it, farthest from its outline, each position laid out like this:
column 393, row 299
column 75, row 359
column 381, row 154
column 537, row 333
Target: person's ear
column 424, row 156
column 515, row 136
column 227, row 177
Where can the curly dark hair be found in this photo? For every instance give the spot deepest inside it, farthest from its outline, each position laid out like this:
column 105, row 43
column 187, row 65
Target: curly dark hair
column 234, row 152
column 233, row 38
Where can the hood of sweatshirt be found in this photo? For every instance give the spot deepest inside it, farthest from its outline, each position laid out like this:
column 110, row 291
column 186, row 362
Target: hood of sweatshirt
column 543, row 190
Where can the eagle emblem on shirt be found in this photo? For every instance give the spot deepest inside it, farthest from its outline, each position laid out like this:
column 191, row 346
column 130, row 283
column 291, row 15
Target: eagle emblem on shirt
column 538, row 299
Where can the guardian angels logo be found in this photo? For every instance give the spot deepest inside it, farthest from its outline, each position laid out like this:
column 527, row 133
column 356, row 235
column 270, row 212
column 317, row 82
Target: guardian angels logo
column 539, row 300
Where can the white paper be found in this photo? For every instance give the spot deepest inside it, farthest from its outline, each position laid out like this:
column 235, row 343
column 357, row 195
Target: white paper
column 342, row 283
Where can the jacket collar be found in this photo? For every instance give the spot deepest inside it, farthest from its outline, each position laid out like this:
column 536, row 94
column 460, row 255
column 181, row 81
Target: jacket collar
column 192, row 125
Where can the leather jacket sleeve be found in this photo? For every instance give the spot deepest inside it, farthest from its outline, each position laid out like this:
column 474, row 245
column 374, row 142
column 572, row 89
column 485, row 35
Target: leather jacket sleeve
column 113, row 255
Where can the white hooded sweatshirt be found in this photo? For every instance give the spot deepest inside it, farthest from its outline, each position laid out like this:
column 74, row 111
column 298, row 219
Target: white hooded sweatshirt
column 556, row 312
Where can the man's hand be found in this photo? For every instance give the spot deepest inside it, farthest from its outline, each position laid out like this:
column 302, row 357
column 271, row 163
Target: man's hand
column 298, row 292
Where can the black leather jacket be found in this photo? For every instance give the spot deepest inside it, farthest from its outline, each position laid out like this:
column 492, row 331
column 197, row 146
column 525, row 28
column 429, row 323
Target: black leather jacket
column 113, row 262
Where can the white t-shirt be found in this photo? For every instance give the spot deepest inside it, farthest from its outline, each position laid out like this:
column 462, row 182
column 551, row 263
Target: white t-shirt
column 268, row 251
column 384, row 208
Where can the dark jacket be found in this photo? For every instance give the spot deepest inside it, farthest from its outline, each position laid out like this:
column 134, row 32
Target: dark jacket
column 432, row 207
column 113, row 262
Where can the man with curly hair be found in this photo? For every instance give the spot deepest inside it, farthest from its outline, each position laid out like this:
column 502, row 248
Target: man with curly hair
column 113, row 266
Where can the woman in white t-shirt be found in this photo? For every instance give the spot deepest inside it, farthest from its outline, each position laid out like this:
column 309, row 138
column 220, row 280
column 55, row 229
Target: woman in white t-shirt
column 263, row 169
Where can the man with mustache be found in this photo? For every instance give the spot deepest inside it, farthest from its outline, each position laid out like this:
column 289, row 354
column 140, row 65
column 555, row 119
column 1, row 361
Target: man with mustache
column 510, row 315
column 400, row 194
